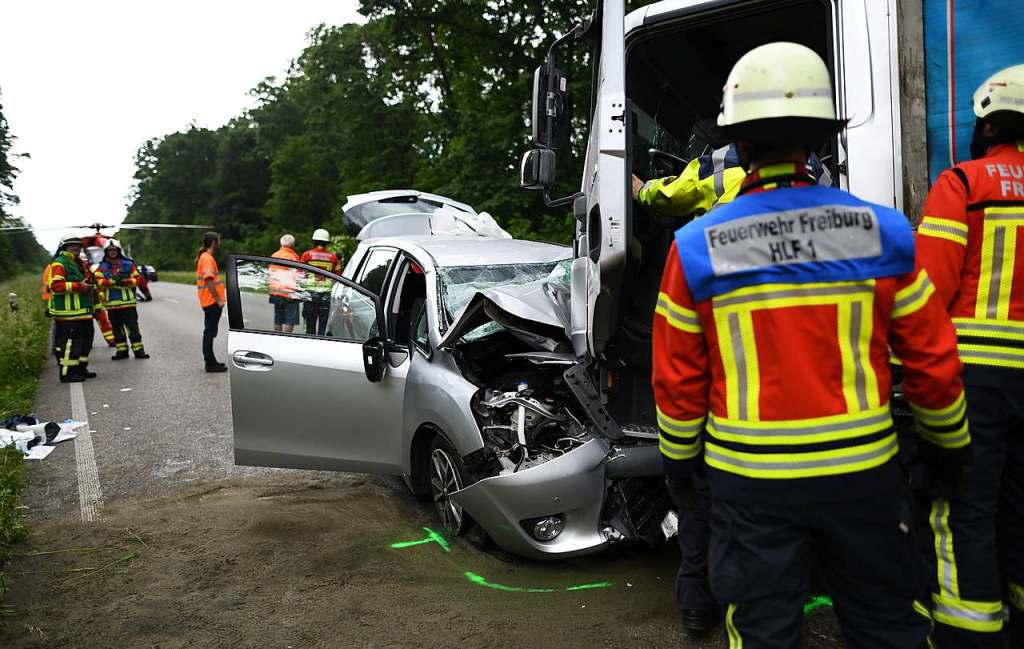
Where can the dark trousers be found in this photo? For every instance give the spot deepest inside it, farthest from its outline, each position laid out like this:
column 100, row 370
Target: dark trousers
column 760, row 562
column 88, row 333
column 693, row 590
column 211, row 322
column 69, row 345
column 315, row 313
column 126, row 320
column 978, row 536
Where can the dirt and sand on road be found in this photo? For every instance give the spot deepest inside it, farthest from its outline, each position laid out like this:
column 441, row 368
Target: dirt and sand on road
column 310, row 563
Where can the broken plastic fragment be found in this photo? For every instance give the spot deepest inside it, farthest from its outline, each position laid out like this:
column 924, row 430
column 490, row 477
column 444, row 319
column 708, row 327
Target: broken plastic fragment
column 126, row 389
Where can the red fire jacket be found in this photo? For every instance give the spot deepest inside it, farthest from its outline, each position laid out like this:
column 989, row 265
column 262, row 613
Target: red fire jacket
column 784, row 387
column 967, row 240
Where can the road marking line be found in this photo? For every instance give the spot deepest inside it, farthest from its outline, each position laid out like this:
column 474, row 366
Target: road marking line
column 90, row 498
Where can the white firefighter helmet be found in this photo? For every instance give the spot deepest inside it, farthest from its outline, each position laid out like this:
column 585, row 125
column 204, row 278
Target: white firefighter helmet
column 1003, row 91
column 321, row 234
column 779, row 81
column 70, row 239
column 112, row 243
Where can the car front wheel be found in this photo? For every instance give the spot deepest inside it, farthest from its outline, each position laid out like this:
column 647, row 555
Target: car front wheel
column 445, row 479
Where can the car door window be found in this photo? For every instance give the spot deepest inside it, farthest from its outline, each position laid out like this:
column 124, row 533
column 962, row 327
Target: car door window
column 375, row 270
column 301, row 300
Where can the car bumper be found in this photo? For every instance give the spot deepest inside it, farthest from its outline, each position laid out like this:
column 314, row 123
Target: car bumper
column 572, row 486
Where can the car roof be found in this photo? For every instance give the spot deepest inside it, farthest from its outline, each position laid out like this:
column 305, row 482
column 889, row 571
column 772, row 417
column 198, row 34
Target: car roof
column 476, row 251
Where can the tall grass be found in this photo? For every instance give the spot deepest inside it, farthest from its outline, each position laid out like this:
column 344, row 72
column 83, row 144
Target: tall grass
column 24, row 338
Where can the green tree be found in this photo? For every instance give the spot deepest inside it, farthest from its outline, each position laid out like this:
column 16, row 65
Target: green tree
column 19, row 252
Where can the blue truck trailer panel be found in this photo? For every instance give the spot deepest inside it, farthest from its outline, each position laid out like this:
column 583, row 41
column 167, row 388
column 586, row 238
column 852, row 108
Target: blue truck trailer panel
column 965, row 42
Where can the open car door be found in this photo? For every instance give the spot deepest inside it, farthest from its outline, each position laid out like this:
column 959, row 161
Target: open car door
column 304, row 401
column 598, row 270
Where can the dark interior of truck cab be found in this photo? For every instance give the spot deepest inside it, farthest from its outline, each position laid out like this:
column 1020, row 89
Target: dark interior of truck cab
column 674, row 79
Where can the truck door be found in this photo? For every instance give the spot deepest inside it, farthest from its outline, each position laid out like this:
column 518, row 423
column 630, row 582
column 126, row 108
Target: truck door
column 600, row 259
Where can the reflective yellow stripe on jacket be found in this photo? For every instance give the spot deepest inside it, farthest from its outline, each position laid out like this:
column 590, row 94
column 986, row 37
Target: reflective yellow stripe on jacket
column 994, row 342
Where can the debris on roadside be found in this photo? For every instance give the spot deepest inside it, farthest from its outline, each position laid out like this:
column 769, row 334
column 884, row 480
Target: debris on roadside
column 36, row 439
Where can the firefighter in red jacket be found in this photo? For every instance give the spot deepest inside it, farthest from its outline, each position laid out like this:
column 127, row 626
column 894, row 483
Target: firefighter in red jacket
column 316, row 310
column 70, row 288
column 771, row 374
column 117, row 277
column 968, row 241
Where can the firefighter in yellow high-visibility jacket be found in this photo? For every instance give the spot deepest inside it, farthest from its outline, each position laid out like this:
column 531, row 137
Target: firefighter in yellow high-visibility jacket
column 70, row 304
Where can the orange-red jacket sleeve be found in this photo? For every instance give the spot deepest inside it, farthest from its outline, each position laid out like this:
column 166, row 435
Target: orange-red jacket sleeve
column 681, row 374
column 60, row 284
column 132, row 280
column 921, row 335
column 942, row 233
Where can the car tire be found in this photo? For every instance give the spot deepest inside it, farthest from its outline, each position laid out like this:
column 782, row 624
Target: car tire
column 447, row 475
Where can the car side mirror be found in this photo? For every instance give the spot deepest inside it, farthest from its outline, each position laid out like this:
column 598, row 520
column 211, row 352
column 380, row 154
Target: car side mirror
column 550, row 104
column 537, row 170
column 373, row 359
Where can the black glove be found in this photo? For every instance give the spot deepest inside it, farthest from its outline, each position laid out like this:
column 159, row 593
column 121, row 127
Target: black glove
column 681, row 492
column 943, row 470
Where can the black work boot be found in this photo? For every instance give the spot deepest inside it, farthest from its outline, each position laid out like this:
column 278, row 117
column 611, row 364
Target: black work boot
column 71, row 377
column 141, row 353
column 698, row 622
column 83, row 370
column 120, row 355
column 216, row 366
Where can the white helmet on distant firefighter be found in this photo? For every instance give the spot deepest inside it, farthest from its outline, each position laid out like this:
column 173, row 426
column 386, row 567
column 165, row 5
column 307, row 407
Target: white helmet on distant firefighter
column 70, row 239
column 779, row 89
column 321, row 235
column 1003, row 91
column 112, row 243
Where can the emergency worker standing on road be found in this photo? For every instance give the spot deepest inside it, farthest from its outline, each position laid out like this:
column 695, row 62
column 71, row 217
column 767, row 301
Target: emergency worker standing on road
column 318, row 308
column 117, row 277
column 284, row 287
column 771, row 343
column 211, row 298
column 70, row 288
column 968, row 242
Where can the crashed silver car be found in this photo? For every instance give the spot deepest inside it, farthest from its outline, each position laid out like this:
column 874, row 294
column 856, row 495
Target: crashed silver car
column 447, row 360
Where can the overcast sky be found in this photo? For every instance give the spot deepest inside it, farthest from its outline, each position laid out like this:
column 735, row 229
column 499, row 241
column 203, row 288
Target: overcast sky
column 84, row 84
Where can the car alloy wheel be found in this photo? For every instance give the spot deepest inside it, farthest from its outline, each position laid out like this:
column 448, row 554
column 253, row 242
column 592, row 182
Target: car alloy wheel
column 444, row 481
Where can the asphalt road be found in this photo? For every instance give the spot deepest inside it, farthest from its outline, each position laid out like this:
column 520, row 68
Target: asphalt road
column 159, row 424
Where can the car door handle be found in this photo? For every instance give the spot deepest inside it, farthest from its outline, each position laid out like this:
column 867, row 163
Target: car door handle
column 243, row 359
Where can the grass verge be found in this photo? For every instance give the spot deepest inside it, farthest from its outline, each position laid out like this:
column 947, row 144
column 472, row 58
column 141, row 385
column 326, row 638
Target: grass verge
column 178, row 276
column 24, row 337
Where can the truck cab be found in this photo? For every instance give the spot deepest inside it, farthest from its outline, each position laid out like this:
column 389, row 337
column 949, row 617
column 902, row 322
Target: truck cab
column 658, row 75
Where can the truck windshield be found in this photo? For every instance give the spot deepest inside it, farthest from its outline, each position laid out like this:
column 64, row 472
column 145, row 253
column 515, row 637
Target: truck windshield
column 460, row 283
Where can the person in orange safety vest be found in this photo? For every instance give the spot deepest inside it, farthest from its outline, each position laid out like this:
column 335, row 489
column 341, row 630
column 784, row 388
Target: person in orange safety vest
column 284, row 287
column 210, row 289
column 969, row 241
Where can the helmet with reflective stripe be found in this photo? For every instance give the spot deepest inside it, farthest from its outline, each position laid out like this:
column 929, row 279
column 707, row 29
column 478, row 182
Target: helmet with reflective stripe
column 112, row 243
column 1002, row 92
column 70, row 239
column 779, row 84
column 321, row 235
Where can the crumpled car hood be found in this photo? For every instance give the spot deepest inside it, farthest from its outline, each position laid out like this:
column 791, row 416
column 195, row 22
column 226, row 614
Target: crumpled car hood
column 536, row 312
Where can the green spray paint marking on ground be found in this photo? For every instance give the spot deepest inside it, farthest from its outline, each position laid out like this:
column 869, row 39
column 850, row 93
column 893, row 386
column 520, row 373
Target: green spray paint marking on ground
column 815, row 602
column 481, row 581
column 432, row 537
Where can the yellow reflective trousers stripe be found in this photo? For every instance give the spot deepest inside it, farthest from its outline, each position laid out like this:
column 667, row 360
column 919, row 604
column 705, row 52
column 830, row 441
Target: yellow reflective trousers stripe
column 735, row 639
column 945, row 559
column 1016, row 592
column 982, row 617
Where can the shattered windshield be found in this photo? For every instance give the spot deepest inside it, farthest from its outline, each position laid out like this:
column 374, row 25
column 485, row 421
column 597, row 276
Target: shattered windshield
column 460, row 283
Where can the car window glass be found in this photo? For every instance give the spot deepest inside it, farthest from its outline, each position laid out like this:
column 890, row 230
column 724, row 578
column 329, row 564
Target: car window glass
column 420, row 336
column 375, row 270
column 302, row 301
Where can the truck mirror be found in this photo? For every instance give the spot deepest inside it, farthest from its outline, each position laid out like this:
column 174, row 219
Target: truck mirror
column 550, row 115
column 537, row 170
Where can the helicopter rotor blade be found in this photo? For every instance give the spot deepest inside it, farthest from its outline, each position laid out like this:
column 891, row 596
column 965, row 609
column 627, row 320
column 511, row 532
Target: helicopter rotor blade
column 155, row 226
